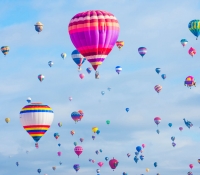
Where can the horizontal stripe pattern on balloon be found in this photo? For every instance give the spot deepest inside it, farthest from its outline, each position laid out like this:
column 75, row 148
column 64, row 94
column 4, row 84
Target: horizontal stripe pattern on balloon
column 36, row 108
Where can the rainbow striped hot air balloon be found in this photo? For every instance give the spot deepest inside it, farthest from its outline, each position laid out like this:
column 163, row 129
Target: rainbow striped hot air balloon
column 120, row 44
column 36, row 119
column 158, row 88
column 98, row 32
column 194, row 27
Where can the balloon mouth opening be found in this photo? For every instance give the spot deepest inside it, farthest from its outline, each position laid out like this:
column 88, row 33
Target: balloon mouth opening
column 36, row 103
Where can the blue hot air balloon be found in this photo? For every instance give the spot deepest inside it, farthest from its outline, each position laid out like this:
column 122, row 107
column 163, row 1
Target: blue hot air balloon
column 136, row 153
column 17, row 163
column 124, row 173
column 136, row 159
column 59, row 144
column 170, row 124
column 138, row 148
column 39, row 170
column 127, row 109
column 106, row 158
column 172, row 138
column 155, row 164
column 78, row 58
column 102, row 92
column 194, row 27
column 29, row 100
column 89, row 70
column 76, row 167
column 157, row 131
column 98, row 131
column 163, row 76
column 141, row 157
column 158, row 70
column 118, row 69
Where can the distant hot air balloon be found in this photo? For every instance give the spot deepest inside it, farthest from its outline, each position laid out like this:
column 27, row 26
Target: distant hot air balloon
column 138, row 148
column 108, row 122
column 39, row 170
column 184, row 42
column 50, row 63
column 118, row 69
column 54, row 168
column 97, row 152
column 70, row 98
column 191, row 166
column 158, row 131
column 190, row 81
column 76, row 116
column 127, row 109
column 190, row 173
column 93, row 137
column 98, row 132
column 17, row 163
column 109, row 88
column 158, row 88
column 98, row 170
column 194, row 27
column 41, row 77
column 155, row 164
column 36, row 119
column 59, row 153
column 63, row 55
column 141, row 157
column 106, row 158
column 59, row 144
column 60, row 163
column 78, row 58
column 100, row 164
column 29, row 100
column 113, row 163
column 173, row 144
column 38, row 27
column 143, row 145
column 170, row 124
column 96, row 36
column 147, row 169
column 5, row 50
column 82, row 114
column 163, row 76
column 95, row 129
column 102, row 92
column 75, row 143
column 120, row 44
column 56, row 135
column 78, row 150
column 81, row 76
column 142, row 51
column 59, row 124
column 172, row 138
column 128, row 155
column 76, row 167
column 136, row 159
column 192, row 51
column 81, row 139
column 7, row 120
column 72, row 132
column 157, row 120
column 158, row 70
column 180, row 128
column 124, row 173
column 89, row 70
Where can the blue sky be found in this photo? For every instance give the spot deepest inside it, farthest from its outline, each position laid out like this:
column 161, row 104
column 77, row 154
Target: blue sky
column 157, row 25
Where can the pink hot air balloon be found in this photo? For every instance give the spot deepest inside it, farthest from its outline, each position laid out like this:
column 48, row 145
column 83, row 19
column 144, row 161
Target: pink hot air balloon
column 81, row 76
column 191, row 166
column 157, row 120
column 93, row 161
column 113, row 163
column 180, row 128
column 158, row 88
column 100, row 164
column 192, row 51
column 143, row 145
column 98, row 32
column 59, row 153
column 78, row 150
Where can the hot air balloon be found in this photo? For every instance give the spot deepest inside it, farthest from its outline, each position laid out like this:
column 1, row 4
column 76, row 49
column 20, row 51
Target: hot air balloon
column 113, row 163
column 136, row 159
column 180, row 128
column 54, row 168
column 76, row 116
column 95, row 129
column 172, row 138
column 59, row 153
column 78, row 58
column 143, row 145
column 59, row 144
column 78, row 150
column 190, row 173
column 108, row 122
column 60, row 163
column 98, row 170
column 56, row 135
column 7, row 120
column 109, row 88
column 75, row 143
column 59, row 124
column 99, row 36
column 89, row 70
column 147, row 169
column 70, row 98
column 141, row 157
column 155, row 164
column 82, row 114
column 41, row 77
column 17, row 163
column 192, row 51
column 194, row 27
column 127, row 109
column 142, row 51
column 128, row 155
column 106, row 158
column 120, row 44
column 5, row 50
column 118, row 69
column 93, row 137
column 157, row 120
column 36, row 119
column 173, row 144
column 102, row 92
column 37, row 145
column 190, row 81
column 97, row 152
column 124, row 173
column 93, row 161
column 29, row 100
column 163, row 76
column 198, row 161
column 158, row 131
column 158, row 88
column 39, row 170
column 170, row 125
column 191, row 166
column 81, row 76
column 38, row 27
column 50, row 63
column 81, row 139
column 138, row 148
column 100, row 164
column 158, row 70
column 63, row 55
column 136, row 153
column 72, row 132
column 184, row 42
column 98, row 132
column 76, row 167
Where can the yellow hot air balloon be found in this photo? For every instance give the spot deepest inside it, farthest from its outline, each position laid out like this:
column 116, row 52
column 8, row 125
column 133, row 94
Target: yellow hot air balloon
column 95, row 129
column 120, row 44
column 147, row 169
column 7, row 120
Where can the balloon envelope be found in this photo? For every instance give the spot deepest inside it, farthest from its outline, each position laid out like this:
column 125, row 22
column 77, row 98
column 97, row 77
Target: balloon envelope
column 194, row 27
column 78, row 150
column 142, row 51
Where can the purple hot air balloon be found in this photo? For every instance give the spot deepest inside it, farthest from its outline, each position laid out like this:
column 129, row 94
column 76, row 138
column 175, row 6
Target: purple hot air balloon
column 142, row 51
column 76, row 167
column 81, row 139
column 98, row 32
column 180, row 128
column 173, row 144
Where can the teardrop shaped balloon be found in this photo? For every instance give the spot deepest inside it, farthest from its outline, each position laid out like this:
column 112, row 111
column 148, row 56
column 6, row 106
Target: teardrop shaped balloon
column 191, row 166
column 143, row 145
column 98, row 32
column 102, row 92
column 39, row 170
column 118, row 69
column 81, row 139
column 81, row 76
column 127, row 109
column 170, row 125
column 120, row 44
column 113, row 163
column 157, row 120
column 7, row 120
column 41, row 77
column 78, row 150
column 142, row 51
column 172, row 138
column 194, row 27
column 78, row 58
column 5, row 50
column 180, row 128
column 56, row 135
column 59, row 153
column 106, row 158
column 158, row 70
column 158, row 88
column 184, row 42
column 38, row 27
column 108, row 122
column 50, row 63
column 36, row 119
column 100, row 164
column 72, row 132
column 29, row 100
column 59, row 124
column 70, row 98
column 76, row 167
column 63, row 55
column 89, row 70
column 163, row 76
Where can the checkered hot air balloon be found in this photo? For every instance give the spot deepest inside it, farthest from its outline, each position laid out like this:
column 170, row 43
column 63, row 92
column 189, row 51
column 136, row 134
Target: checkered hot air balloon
column 36, row 119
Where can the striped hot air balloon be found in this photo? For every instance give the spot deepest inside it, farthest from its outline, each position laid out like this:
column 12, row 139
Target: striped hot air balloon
column 190, row 81
column 142, row 51
column 184, row 42
column 194, row 27
column 94, row 33
column 36, row 119
column 5, row 50
column 120, row 44
column 78, row 58
column 158, row 88
column 157, row 120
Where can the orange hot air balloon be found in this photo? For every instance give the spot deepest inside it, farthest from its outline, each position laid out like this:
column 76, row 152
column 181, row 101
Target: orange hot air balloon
column 72, row 132
column 120, row 44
